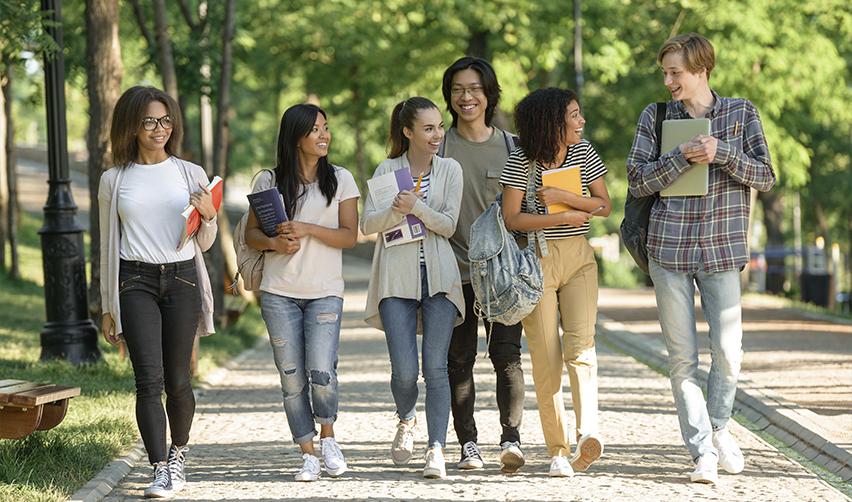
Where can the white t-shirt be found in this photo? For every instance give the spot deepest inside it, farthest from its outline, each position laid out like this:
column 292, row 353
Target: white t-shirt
column 316, row 269
column 150, row 201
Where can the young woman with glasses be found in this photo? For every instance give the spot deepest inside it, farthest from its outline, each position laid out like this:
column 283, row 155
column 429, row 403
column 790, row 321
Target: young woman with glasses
column 155, row 297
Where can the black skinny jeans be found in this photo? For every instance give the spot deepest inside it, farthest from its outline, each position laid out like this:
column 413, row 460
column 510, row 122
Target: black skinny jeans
column 505, row 354
column 160, row 307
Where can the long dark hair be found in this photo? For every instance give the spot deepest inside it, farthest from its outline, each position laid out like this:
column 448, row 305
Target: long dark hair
column 403, row 115
column 540, row 121
column 127, row 119
column 490, row 86
column 296, row 123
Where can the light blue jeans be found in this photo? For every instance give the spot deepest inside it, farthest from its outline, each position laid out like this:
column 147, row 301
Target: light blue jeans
column 720, row 302
column 305, row 335
column 399, row 317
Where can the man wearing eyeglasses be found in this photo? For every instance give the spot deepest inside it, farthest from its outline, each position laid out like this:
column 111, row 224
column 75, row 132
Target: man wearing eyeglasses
column 472, row 92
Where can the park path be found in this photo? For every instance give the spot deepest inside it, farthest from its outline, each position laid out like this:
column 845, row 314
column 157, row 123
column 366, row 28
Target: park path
column 241, row 448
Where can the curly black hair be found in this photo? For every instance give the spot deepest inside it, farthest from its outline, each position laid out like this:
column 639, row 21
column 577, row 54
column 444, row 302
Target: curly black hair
column 540, row 122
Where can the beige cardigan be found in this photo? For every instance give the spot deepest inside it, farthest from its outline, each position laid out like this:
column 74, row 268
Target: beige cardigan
column 111, row 240
column 395, row 271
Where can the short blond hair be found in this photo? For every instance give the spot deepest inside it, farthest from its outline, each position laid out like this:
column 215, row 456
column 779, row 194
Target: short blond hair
column 697, row 52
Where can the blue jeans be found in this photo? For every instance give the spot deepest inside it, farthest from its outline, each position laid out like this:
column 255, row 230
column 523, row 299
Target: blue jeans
column 305, row 334
column 399, row 317
column 720, row 302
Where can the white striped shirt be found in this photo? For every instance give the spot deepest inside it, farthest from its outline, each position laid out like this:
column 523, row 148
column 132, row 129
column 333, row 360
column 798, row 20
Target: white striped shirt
column 515, row 175
column 424, row 190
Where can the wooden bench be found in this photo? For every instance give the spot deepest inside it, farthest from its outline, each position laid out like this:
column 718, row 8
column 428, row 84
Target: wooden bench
column 26, row 407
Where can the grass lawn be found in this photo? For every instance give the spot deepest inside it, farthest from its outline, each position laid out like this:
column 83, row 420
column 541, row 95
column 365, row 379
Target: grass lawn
column 100, row 424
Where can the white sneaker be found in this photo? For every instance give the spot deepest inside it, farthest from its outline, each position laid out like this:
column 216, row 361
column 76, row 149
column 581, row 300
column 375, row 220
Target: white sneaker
column 436, row 467
column 403, row 443
column 161, row 487
column 589, row 449
column 511, row 456
column 705, row 470
column 310, row 471
column 332, row 457
column 730, row 456
column 560, row 467
column 471, row 458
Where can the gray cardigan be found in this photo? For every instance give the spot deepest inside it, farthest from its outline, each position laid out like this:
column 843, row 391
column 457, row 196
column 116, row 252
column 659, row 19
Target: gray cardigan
column 395, row 271
column 110, row 239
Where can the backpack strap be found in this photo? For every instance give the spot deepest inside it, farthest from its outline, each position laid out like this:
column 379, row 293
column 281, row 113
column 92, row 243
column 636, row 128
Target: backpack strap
column 511, row 141
column 658, row 127
column 531, row 206
column 270, row 171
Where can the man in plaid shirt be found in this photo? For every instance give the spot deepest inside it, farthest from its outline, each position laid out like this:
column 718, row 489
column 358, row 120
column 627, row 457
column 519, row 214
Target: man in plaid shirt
column 701, row 240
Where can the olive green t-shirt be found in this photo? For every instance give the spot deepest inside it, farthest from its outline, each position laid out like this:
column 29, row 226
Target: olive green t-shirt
column 482, row 164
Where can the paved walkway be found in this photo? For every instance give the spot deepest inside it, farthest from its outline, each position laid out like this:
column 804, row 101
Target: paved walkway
column 241, row 447
column 804, row 359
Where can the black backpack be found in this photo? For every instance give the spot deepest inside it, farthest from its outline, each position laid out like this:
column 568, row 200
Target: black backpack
column 637, row 211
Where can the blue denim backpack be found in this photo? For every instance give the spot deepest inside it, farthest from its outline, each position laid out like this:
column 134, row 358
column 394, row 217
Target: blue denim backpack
column 506, row 280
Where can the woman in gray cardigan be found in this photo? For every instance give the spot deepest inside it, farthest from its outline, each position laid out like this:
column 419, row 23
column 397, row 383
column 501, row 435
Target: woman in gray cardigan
column 415, row 287
column 155, row 295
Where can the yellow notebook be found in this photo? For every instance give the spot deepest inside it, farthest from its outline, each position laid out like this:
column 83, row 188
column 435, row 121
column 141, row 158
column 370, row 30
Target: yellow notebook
column 566, row 178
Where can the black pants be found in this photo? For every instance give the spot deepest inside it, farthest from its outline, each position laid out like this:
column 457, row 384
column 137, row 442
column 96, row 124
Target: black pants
column 505, row 354
column 160, row 307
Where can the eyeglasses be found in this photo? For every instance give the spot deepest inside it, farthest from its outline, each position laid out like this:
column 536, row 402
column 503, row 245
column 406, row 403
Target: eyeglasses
column 150, row 123
column 475, row 90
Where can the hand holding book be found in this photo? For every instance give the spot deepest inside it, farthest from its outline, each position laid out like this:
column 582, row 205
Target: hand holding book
column 204, row 203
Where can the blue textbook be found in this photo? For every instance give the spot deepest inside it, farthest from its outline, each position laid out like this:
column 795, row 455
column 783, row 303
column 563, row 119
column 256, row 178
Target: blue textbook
column 268, row 207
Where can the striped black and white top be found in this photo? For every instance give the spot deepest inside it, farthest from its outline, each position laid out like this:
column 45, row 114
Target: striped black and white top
column 515, row 175
column 424, row 189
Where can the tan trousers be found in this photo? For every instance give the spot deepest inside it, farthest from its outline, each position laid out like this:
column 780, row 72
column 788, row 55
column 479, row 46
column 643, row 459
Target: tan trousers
column 570, row 294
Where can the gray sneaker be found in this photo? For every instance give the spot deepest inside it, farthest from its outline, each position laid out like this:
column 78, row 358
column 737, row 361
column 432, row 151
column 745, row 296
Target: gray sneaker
column 511, row 456
column 403, row 443
column 471, row 458
column 177, row 461
column 161, row 488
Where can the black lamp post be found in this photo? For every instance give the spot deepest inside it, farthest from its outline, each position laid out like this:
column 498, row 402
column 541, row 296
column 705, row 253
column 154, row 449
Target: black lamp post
column 68, row 333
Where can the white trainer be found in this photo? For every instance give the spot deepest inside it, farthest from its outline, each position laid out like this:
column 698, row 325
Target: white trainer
column 730, row 456
column 560, row 467
column 332, row 457
column 705, row 470
column 403, row 443
column 436, row 466
column 310, row 470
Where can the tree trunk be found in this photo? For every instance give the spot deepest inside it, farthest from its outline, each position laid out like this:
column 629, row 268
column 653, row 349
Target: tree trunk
column 104, row 70
column 220, row 162
column 5, row 165
column 165, row 57
column 773, row 218
column 477, row 45
column 12, row 209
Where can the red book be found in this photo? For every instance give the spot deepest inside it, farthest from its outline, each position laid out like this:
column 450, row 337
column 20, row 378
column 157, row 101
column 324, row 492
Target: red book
column 193, row 217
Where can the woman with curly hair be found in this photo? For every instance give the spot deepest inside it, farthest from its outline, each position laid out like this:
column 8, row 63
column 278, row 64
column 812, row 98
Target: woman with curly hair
column 550, row 127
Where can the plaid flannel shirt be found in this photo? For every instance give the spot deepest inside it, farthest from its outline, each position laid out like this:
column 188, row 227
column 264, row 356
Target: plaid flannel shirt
column 707, row 233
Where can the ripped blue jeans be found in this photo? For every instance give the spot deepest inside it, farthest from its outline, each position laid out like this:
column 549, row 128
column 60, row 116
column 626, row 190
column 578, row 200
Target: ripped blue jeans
column 305, row 334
